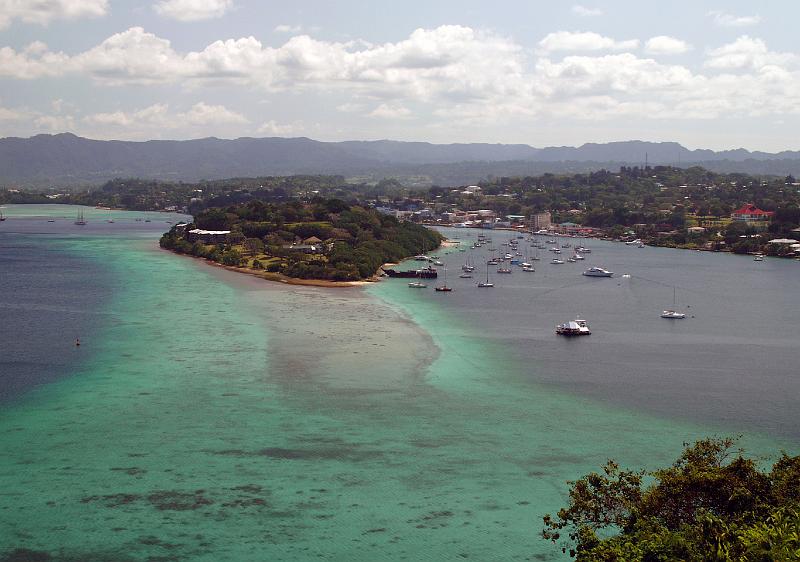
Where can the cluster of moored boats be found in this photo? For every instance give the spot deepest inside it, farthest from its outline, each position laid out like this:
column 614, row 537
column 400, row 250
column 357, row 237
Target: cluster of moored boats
column 504, row 260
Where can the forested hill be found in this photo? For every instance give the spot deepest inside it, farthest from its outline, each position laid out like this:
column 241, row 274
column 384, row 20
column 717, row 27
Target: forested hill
column 66, row 159
column 323, row 239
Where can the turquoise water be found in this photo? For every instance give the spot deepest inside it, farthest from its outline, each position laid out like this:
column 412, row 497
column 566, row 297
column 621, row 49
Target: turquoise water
column 214, row 416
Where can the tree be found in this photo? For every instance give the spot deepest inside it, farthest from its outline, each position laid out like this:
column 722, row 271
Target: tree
column 712, row 504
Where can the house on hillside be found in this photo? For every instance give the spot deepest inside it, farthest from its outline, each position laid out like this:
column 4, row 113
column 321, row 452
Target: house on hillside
column 208, row 236
column 751, row 213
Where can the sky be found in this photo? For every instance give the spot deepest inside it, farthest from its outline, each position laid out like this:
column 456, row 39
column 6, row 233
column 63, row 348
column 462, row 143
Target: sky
column 705, row 74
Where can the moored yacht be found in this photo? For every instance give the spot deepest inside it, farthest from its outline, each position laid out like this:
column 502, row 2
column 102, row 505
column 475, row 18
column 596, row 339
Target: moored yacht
column 598, row 272
column 577, row 327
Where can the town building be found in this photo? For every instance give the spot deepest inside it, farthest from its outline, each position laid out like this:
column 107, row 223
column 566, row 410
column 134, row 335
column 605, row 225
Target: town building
column 208, row 236
column 541, row 221
column 751, row 213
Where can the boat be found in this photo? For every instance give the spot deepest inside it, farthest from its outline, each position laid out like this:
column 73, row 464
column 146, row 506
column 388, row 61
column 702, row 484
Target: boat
column 466, row 275
column 80, row 221
column 2, row 216
column 486, row 283
column 504, row 270
column 571, row 260
column 578, row 257
column 528, row 268
column 672, row 313
column 641, row 245
column 468, row 266
column 556, row 261
column 598, row 272
column 51, row 220
column 577, row 327
column 424, row 273
column 758, row 257
column 443, row 288
column 437, row 262
column 417, row 285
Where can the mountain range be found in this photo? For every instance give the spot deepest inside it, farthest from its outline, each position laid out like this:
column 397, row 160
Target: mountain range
column 69, row 160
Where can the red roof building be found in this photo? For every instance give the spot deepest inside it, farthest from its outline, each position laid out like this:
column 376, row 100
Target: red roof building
column 751, row 213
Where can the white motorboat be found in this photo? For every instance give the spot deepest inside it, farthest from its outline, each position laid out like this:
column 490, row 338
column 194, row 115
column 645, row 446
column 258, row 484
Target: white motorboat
column 556, row 261
column 758, row 257
column 598, row 272
column 577, row 327
column 578, row 257
column 528, row 268
column 673, row 314
column 417, row 285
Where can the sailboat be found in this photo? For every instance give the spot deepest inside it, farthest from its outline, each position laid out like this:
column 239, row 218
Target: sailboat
column 443, row 288
column 671, row 313
column 486, row 283
column 2, row 216
column 468, row 266
column 80, row 221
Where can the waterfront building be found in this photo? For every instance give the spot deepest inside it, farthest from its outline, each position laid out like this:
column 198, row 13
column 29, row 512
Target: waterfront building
column 751, row 213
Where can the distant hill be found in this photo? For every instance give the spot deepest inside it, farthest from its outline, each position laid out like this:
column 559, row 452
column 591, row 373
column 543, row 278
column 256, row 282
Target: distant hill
column 66, row 159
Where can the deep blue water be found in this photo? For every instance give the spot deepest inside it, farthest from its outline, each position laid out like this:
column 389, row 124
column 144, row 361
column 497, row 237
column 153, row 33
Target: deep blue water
column 49, row 297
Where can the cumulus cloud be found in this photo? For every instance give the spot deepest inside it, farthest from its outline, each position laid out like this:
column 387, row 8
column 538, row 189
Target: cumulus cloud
column 11, row 114
column 391, row 111
column 204, row 114
column 453, row 74
column 43, row 12
column 665, row 45
column 273, row 128
column 585, row 12
column 192, row 10
column 583, row 41
column 747, row 53
column 285, row 28
column 156, row 114
column 723, row 19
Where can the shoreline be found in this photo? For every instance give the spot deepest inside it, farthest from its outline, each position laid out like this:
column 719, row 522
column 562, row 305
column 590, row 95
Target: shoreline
column 285, row 280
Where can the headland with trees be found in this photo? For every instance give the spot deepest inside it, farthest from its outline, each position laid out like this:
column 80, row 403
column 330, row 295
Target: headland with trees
column 322, row 239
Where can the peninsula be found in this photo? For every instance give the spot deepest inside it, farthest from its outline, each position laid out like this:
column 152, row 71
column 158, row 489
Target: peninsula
column 323, row 241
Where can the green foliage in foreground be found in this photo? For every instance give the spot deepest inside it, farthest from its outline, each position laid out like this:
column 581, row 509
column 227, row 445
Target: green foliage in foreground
column 355, row 240
column 712, row 504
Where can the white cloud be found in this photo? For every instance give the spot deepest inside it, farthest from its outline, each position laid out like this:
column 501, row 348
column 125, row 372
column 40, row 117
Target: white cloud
column 723, row 19
column 285, row 28
column 747, row 53
column 204, row 114
column 665, row 45
column 276, row 129
column 156, row 114
column 34, row 61
column 54, row 123
column 583, row 41
column 391, row 111
column 455, row 75
column 585, row 12
column 11, row 114
column 42, row 12
column 193, row 10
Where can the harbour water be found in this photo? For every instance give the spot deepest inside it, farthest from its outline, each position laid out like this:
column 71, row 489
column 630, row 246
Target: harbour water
column 209, row 415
